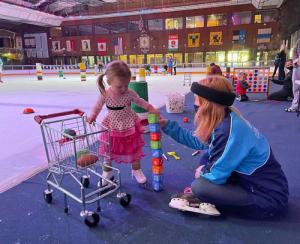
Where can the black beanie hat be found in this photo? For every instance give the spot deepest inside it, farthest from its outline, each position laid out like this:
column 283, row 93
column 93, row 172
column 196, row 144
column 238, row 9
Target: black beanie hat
column 213, row 95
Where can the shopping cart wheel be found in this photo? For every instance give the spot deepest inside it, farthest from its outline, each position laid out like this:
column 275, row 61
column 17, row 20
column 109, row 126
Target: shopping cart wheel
column 48, row 196
column 125, row 199
column 85, row 181
column 92, row 219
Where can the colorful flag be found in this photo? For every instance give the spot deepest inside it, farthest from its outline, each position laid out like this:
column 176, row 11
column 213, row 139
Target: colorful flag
column 239, row 37
column 215, row 38
column 264, row 35
column 85, row 45
column 118, row 44
column 141, row 24
column 56, row 46
column 173, row 43
column 194, row 40
column 70, row 44
column 101, row 44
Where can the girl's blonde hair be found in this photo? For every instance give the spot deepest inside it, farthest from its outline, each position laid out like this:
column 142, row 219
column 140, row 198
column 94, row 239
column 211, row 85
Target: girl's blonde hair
column 210, row 114
column 114, row 70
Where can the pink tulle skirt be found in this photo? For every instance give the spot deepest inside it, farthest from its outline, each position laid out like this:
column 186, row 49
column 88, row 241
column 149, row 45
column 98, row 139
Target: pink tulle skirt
column 125, row 146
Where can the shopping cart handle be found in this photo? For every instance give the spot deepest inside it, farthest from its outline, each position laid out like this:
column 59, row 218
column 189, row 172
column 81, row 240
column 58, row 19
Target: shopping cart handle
column 39, row 118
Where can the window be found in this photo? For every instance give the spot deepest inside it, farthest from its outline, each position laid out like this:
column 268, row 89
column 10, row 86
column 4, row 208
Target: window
column 257, row 19
column 70, row 30
column 194, row 21
column 155, row 59
column 133, row 26
column 216, row 20
column 155, row 24
column 269, row 16
column 102, row 29
column 193, row 58
column 118, row 27
column 85, row 30
column 55, row 31
column 241, row 18
column 174, row 24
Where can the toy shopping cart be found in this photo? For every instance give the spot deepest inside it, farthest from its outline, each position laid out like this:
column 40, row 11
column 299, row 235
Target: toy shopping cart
column 74, row 163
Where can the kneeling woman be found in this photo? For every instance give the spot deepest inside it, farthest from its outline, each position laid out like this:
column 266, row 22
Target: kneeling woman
column 240, row 173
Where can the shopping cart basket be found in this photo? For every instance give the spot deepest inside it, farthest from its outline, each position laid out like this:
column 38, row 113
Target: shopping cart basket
column 74, row 163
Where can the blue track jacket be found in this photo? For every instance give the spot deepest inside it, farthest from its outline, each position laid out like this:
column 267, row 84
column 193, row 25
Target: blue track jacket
column 237, row 152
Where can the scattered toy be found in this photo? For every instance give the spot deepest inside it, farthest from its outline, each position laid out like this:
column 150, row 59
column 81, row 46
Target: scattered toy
column 173, row 154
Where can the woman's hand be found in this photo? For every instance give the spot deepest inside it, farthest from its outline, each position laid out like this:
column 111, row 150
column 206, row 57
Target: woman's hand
column 198, row 171
column 162, row 122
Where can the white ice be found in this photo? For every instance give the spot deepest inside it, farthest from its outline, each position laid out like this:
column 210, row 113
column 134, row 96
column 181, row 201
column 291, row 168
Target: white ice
column 22, row 152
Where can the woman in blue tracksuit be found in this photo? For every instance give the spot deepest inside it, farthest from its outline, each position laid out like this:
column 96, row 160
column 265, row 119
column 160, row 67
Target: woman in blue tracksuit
column 240, row 173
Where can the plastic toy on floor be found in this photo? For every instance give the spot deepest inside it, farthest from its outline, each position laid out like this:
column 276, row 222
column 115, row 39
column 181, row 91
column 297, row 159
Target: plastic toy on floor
column 173, row 154
column 188, row 202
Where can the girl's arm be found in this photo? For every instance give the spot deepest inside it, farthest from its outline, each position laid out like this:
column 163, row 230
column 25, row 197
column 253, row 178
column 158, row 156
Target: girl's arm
column 96, row 109
column 141, row 102
column 182, row 136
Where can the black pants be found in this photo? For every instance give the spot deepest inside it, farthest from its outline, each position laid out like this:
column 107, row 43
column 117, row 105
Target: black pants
column 280, row 95
column 281, row 74
column 232, row 198
column 174, row 70
column 275, row 70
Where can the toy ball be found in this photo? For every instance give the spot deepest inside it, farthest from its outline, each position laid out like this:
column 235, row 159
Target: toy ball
column 185, row 120
column 70, row 132
column 86, row 160
column 28, row 111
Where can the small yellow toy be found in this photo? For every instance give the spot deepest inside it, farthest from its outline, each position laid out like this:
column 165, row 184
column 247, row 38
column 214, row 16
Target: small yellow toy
column 174, row 155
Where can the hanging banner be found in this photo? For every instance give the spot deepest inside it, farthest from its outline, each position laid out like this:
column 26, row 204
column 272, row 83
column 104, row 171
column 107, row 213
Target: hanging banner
column 118, row 44
column 70, row 45
column 239, row 37
column 55, row 46
column 19, row 42
column 102, row 48
column 86, row 45
column 173, row 43
column 194, row 40
column 215, row 38
column 264, row 35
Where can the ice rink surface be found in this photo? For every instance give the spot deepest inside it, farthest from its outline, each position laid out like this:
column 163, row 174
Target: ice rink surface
column 22, row 151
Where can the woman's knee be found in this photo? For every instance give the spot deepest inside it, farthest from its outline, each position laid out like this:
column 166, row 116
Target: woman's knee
column 200, row 188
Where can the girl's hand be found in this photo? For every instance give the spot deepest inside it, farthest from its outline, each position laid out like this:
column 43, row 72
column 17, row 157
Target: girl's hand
column 198, row 171
column 91, row 119
column 154, row 111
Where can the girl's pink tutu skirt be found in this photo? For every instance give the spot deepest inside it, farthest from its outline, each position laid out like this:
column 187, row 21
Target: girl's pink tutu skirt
column 125, row 146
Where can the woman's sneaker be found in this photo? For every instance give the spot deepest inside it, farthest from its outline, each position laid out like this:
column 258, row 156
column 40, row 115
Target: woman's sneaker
column 139, row 176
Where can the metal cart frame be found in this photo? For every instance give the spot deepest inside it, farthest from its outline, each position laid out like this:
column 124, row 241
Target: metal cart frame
column 67, row 136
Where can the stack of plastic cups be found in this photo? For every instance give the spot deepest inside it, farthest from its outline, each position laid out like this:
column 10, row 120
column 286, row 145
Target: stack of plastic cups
column 157, row 160
column 61, row 73
column 39, row 71
column 140, row 86
column 82, row 71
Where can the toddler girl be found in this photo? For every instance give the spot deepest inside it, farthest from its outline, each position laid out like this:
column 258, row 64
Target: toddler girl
column 126, row 132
